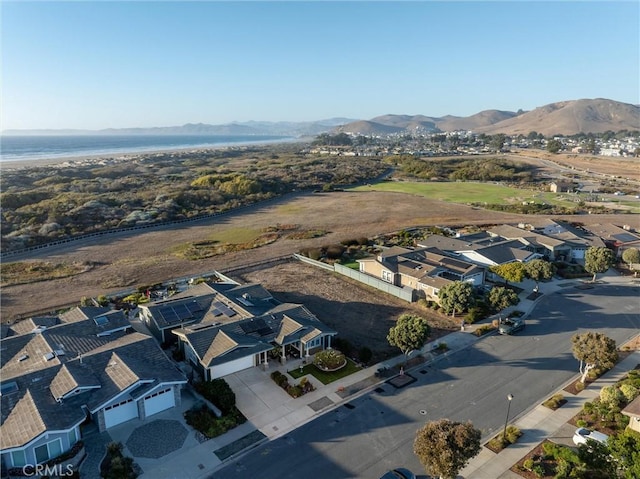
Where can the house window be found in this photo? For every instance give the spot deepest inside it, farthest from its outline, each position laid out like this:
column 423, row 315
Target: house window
column 48, row 451
column 73, row 438
column 18, row 458
column 387, row 276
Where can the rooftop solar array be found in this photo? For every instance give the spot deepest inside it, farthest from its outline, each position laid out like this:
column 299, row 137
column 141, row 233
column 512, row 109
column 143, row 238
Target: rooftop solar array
column 221, row 308
column 178, row 312
column 256, row 326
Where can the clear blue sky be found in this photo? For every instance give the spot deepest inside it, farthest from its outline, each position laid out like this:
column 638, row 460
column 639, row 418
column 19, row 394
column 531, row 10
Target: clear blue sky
column 110, row 64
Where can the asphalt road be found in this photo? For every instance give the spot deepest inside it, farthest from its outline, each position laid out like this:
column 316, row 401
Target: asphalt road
column 375, row 432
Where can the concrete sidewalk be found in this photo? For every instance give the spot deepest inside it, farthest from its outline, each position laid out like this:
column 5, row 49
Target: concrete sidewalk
column 272, row 412
column 541, row 423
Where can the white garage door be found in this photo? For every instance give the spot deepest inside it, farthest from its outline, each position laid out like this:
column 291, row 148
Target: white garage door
column 158, row 401
column 232, row 367
column 120, row 412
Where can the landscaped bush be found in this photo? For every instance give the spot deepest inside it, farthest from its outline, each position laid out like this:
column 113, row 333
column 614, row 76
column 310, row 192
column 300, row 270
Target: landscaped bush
column 365, row 354
column 204, row 420
column 334, row 251
column 629, row 392
column 280, row 379
column 329, row 359
column 483, row 330
column 218, row 392
column 115, row 465
column 554, row 402
column 476, row 313
column 611, row 396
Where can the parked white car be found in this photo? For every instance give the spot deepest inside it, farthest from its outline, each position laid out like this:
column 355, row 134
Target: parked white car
column 582, row 435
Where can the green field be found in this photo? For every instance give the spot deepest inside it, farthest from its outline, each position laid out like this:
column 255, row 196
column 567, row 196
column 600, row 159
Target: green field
column 467, row 192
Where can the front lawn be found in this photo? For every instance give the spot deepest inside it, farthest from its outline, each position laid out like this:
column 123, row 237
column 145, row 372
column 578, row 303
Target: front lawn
column 325, row 377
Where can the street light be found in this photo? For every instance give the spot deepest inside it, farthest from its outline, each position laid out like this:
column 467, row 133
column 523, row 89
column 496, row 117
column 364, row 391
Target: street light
column 504, row 433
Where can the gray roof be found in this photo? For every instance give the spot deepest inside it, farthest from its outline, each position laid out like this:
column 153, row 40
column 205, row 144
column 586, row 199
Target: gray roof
column 50, row 375
column 505, row 252
column 282, row 324
column 175, row 311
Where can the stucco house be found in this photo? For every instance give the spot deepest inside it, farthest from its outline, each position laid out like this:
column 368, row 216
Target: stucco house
column 615, row 237
column 225, row 327
column 88, row 366
column 550, row 248
column 425, row 269
column 216, row 350
column 633, row 411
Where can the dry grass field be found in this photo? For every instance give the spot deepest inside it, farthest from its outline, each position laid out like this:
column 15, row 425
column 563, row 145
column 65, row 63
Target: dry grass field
column 124, row 261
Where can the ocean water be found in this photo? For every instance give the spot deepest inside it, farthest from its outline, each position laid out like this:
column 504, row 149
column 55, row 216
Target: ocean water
column 20, row 148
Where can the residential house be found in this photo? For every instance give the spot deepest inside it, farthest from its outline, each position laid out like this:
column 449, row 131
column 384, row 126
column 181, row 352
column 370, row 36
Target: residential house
column 615, row 237
column 545, row 246
column 425, row 269
column 578, row 239
column 56, row 377
column 216, row 350
column 561, row 186
column 633, row 411
column 227, row 327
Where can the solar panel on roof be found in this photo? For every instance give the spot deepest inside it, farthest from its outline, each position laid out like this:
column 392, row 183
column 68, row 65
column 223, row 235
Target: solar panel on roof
column 182, row 312
column 193, row 307
column 216, row 312
column 224, row 309
column 265, row 331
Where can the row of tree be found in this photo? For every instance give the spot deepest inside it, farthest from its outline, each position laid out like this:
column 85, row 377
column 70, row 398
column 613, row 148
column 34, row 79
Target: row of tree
column 444, row 447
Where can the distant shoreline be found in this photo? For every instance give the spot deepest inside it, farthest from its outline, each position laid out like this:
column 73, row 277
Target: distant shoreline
column 86, row 160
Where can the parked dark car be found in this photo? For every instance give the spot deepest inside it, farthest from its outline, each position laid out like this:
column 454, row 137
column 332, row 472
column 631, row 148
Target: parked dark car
column 511, row 325
column 399, row 473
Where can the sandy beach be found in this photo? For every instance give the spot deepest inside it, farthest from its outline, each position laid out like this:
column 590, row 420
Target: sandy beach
column 111, row 158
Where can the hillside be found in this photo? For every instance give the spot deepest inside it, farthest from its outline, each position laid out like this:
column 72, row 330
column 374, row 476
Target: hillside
column 570, row 118
column 566, row 118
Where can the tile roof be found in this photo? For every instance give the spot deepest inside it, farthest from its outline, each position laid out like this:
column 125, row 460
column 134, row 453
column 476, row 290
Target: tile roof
column 72, row 375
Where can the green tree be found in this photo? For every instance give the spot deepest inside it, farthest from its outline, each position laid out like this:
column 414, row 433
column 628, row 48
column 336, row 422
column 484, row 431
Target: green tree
column 409, row 333
column 444, row 447
column 456, row 297
column 514, row 272
column 631, row 256
column 611, row 396
column 539, row 270
column 625, row 450
column 554, row 146
column 593, row 350
column 598, row 259
column 595, row 456
column 501, row 298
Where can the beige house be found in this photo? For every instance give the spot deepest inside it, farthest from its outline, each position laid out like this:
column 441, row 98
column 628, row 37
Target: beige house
column 425, row 270
column 633, row 411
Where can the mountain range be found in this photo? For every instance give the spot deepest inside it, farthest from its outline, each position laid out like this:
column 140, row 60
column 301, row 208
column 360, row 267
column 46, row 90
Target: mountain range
column 563, row 118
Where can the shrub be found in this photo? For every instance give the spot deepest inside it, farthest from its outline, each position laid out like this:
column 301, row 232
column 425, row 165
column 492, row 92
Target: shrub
column 363, row 241
column 329, row 359
column 476, row 313
column 365, row 354
column 528, row 464
column 538, row 470
column 582, row 423
column 629, row 392
column 579, row 386
column 280, row 379
column 315, row 254
column 611, row 396
column 513, row 433
column 334, row 251
column 294, row 391
column 219, row 393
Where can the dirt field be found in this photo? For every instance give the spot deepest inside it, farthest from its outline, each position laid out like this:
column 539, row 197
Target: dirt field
column 360, row 314
column 124, row 261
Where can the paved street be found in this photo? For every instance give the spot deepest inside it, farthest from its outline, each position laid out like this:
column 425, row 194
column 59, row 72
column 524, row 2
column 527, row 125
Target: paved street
column 375, row 432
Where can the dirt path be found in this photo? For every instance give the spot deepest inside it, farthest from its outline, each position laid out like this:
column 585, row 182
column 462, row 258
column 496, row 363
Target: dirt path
column 124, row 262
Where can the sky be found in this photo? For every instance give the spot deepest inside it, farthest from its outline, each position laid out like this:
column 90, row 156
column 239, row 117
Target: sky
column 107, row 64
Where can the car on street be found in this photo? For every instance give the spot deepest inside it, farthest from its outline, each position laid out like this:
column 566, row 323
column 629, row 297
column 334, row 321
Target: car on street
column 511, row 325
column 399, row 473
column 582, row 436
